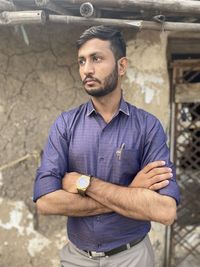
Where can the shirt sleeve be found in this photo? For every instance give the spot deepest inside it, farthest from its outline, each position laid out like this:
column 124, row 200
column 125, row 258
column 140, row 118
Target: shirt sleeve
column 54, row 163
column 156, row 148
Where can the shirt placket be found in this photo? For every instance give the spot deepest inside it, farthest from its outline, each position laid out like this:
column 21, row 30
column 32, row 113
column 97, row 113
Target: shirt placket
column 101, row 168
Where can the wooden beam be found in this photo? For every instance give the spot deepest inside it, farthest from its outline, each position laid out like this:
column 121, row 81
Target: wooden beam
column 22, row 17
column 184, row 46
column 171, row 26
column 187, row 93
column 171, row 6
column 94, row 21
column 6, row 6
column 24, row 2
column 186, row 64
column 136, row 24
column 188, row 8
column 53, row 6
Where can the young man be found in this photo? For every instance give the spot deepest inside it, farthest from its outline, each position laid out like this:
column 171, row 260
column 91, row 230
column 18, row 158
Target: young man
column 106, row 165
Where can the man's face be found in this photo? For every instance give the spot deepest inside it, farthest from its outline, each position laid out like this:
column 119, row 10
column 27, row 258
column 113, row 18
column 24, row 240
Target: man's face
column 97, row 67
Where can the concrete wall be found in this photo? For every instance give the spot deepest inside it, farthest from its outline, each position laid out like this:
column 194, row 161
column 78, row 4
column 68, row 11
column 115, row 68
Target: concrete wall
column 37, row 82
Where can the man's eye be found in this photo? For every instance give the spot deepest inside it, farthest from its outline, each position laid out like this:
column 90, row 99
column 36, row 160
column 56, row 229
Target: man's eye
column 81, row 62
column 97, row 59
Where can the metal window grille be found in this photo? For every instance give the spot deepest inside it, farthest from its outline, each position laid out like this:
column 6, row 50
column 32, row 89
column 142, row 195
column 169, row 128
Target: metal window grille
column 185, row 232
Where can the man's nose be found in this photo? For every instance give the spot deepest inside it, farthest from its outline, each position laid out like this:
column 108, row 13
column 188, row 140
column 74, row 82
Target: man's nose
column 88, row 68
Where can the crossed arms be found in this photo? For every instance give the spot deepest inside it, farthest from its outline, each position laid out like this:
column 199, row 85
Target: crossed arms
column 139, row 200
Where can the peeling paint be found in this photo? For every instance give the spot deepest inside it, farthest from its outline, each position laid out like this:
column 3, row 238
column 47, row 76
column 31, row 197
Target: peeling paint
column 22, row 220
column 144, row 80
column 36, row 244
column 15, row 219
column 141, row 78
column 148, row 94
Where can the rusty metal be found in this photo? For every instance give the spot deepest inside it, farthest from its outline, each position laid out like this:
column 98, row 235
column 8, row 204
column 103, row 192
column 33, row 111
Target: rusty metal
column 185, row 232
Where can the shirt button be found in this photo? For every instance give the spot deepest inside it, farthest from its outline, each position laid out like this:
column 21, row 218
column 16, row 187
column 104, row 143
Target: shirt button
column 99, row 245
column 98, row 218
column 101, row 158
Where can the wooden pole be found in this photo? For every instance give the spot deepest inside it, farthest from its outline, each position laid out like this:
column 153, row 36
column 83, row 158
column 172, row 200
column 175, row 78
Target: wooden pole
column 93, row 21
column 171, row 26
column 134, row 24
column 171, row 6
column 53, row 6
column 24, row 2
column 181, row 7
column 22, row 17
column 6, row 6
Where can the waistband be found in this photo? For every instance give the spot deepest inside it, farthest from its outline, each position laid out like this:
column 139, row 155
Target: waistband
column 93, row 254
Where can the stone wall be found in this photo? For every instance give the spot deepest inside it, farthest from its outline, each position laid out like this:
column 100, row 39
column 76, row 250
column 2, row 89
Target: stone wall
column 37, row 82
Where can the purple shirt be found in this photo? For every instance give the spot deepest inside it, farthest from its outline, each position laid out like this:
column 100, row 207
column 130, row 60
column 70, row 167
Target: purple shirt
column 81, row 141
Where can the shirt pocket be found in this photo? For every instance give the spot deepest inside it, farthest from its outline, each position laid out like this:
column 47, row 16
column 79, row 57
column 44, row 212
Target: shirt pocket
column 125, row 166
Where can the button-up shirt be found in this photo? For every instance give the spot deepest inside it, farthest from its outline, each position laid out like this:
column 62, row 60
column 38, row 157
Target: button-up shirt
column 81, row 141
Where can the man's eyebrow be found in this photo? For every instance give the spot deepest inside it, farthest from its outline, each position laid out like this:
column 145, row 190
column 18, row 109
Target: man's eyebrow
column 90, row 55
column 96, row 53
column 81, row 57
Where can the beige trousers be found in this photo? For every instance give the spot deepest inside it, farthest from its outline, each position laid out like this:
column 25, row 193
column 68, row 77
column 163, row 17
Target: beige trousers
column 140, row 255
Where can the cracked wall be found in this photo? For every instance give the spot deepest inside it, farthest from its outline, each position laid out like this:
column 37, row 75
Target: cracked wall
column 37, row 82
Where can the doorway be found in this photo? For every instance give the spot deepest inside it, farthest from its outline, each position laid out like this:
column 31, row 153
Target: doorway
column 183, row 238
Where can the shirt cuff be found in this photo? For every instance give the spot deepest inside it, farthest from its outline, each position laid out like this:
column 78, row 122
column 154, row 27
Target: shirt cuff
column 171, row 190
column 45, row 185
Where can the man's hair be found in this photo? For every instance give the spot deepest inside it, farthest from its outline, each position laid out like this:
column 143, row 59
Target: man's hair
column 107, row 33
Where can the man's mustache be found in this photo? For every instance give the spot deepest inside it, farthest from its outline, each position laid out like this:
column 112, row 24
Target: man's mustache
column 90, row 78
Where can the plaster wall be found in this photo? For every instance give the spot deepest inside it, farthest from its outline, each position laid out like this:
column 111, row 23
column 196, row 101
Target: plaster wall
column 37, row 82
column 147, row 86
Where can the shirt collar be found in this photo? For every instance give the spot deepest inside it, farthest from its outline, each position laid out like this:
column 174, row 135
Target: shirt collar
column 90, row 108
column 123, row 107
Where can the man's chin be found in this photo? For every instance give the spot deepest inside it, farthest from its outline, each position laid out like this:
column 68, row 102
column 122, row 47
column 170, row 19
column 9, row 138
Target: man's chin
column 96, row 92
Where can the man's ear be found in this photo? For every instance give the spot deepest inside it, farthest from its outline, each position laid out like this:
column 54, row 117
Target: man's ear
column 122, row 66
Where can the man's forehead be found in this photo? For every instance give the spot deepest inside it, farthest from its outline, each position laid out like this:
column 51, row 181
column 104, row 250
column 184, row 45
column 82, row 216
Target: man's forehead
column 93, row 46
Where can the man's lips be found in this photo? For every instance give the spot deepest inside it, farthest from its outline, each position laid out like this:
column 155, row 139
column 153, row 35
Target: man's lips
column 90, row 81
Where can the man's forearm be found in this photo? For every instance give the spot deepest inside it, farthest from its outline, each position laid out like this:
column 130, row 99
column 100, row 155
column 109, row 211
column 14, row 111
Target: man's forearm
column 137, row 203
column 64, row 203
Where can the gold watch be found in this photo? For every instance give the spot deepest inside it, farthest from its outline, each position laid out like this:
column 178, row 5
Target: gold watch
column 83, row 183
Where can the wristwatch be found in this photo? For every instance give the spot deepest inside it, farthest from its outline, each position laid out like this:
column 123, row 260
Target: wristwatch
column 83, row 183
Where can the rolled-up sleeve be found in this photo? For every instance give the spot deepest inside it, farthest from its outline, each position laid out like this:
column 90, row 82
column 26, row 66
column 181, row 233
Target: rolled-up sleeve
column 156, row 149
column 54, row 162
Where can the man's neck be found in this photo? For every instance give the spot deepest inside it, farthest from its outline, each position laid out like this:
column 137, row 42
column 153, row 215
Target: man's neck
column 107, row 106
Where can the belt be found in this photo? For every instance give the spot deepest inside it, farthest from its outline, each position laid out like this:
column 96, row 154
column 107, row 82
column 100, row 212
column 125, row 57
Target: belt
column 93, row 254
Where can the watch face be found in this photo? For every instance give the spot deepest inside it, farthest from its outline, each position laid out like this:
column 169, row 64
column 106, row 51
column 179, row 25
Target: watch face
column 83, row 182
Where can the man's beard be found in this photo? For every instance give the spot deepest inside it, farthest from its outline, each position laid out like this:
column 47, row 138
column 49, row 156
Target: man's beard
column 109, row 85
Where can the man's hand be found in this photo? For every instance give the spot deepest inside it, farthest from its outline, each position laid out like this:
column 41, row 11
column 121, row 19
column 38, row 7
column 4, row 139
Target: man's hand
column 69, row 182
column 154, row 176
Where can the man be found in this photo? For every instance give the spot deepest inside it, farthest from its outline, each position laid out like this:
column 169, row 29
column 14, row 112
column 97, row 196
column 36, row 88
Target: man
column 106, row 165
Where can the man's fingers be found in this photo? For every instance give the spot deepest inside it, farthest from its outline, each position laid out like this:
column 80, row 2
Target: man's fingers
column 153, row 165
column 159, row 171
column 160, row 178
column 158, row 186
